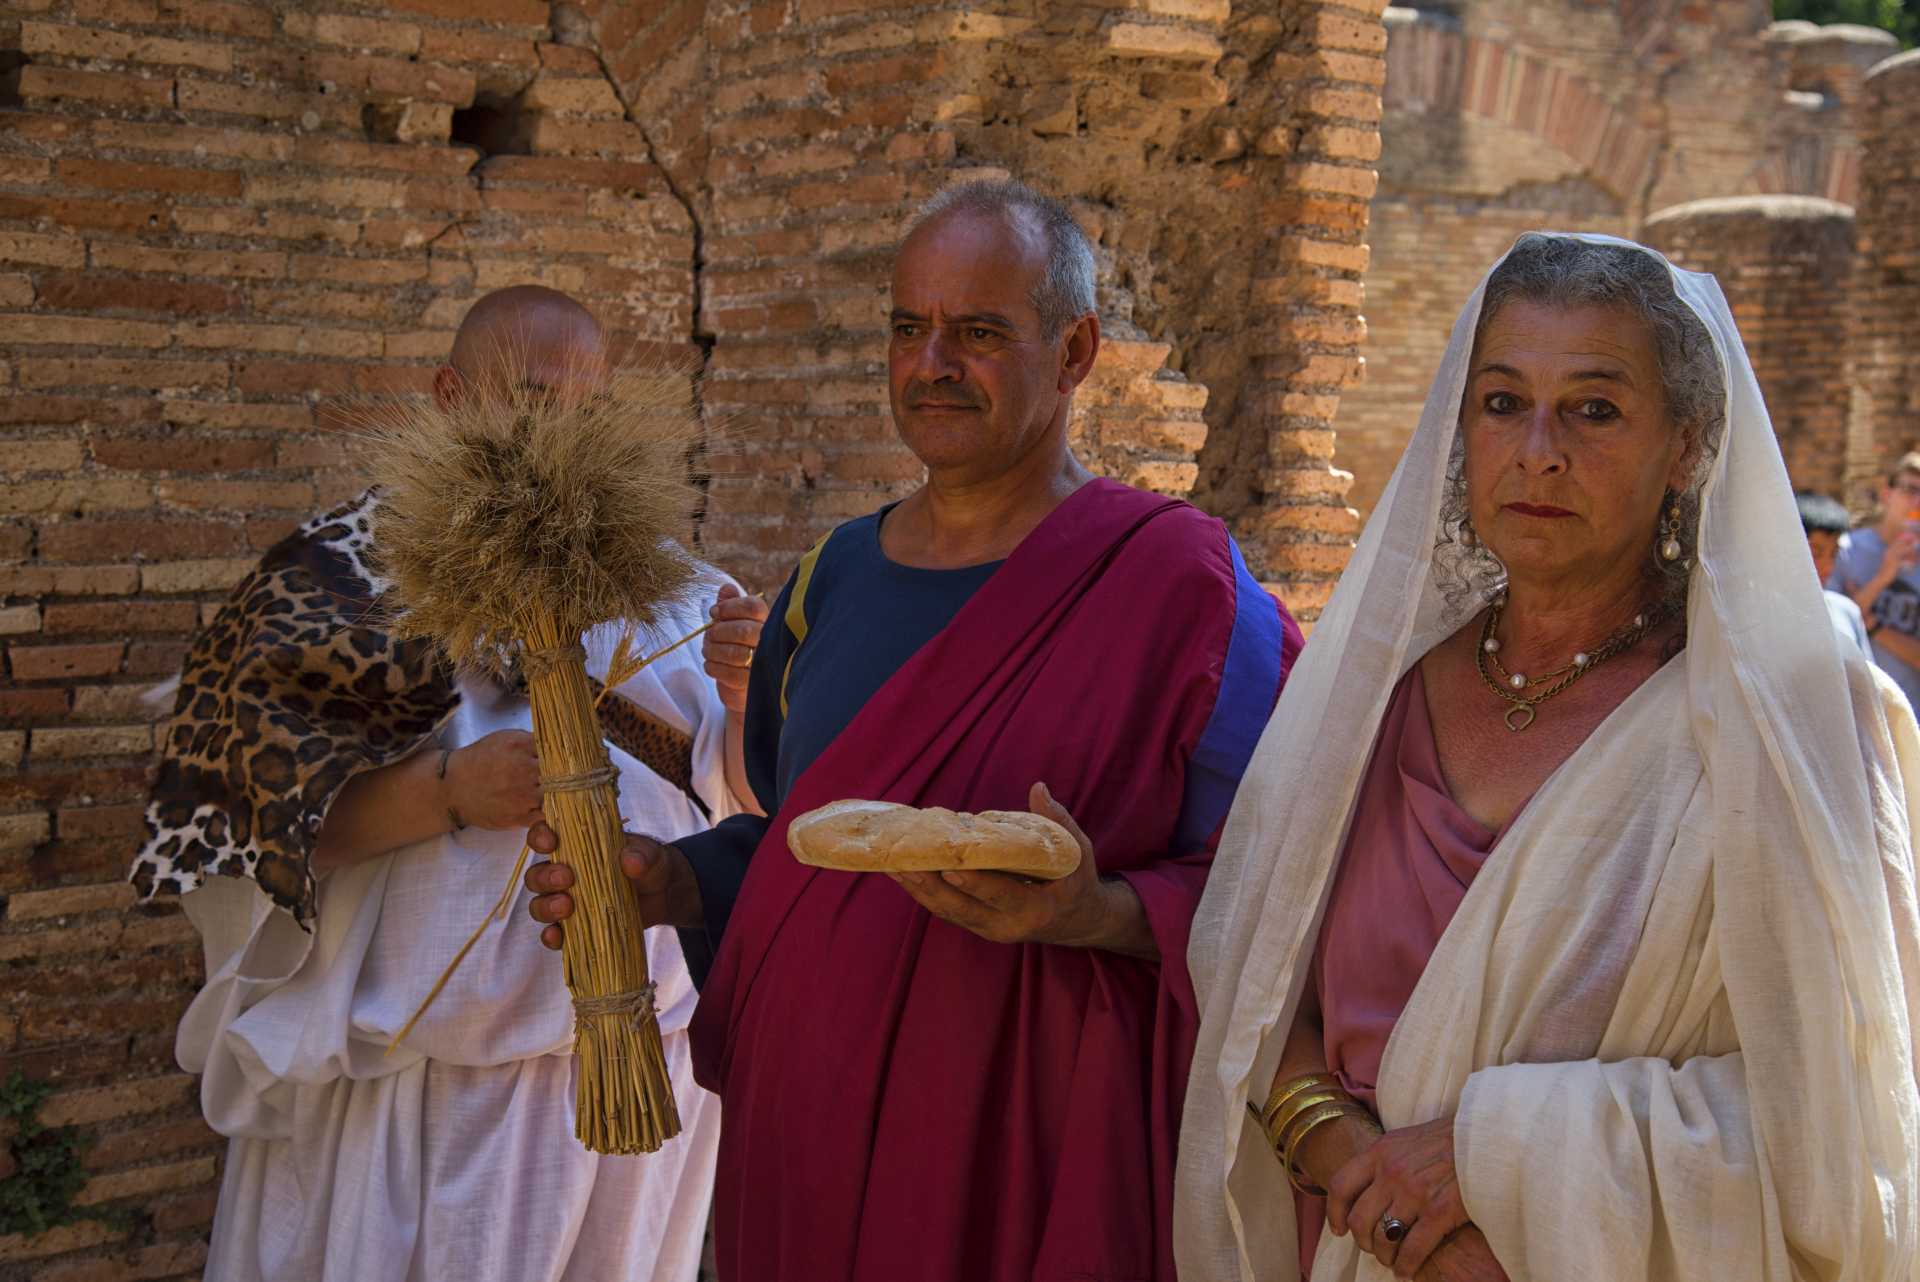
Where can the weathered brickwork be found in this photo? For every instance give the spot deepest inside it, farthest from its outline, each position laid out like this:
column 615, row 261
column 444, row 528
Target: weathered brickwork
column 216, row 218
column 1221, row 159
column 1885, row 339
column 1785, row 264
column 1504, row 116
column 221, row 218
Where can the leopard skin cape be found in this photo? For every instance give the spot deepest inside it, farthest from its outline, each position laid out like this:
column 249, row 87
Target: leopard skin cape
column 294, row 688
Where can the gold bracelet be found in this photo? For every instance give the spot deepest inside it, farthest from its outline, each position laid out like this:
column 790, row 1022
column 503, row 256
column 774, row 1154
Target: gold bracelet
column 1277, row 1124
column 1296, row 1094
column 1347, row 1107
column 1308, row 1124
column 1312, row 1121
column 1298, row 1177
column 1284, row 1091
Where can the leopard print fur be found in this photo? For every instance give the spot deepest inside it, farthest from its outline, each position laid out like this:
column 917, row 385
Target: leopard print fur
column 666, row 751
column 290, row 691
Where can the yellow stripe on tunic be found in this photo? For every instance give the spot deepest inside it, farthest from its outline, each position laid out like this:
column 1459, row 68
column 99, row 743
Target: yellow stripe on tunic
column 796, row 619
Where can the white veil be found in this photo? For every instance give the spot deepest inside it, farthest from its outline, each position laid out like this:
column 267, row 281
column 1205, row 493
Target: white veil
column 1810, row 763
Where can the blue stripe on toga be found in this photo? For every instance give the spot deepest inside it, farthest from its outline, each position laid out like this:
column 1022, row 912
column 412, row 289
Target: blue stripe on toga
column 1249, row 684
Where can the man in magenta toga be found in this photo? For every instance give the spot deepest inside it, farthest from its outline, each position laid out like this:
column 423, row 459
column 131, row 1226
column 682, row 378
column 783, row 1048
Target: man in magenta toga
column 962, row 1077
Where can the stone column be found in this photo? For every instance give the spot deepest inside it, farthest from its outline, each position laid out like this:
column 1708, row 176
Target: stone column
column 1785, row 263
column 1306, row 316
column 1823, row 67
column 1885, row 416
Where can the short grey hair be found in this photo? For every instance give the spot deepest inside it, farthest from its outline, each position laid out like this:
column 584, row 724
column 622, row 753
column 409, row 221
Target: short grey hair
column 1065, row 291
column 1565, row 271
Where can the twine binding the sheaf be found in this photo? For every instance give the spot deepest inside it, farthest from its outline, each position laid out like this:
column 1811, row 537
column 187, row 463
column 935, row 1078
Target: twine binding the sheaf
column 636, row 1005
column 536, row 663
column 582, row 781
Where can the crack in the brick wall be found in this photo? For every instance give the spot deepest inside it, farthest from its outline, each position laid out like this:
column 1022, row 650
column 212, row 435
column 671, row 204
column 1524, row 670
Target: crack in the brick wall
column 701, row 338
column 453, row 226
column 698, row 334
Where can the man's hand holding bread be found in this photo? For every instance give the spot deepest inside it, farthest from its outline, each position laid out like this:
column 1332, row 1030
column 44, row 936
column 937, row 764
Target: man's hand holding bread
column 1079, row 910
column 950, row 864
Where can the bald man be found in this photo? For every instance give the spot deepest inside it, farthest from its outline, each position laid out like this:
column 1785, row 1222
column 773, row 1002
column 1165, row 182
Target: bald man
column 339, row 812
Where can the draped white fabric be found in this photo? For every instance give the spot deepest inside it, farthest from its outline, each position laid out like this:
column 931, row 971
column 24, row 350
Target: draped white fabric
column 454, row 1157
column 1674, row 1016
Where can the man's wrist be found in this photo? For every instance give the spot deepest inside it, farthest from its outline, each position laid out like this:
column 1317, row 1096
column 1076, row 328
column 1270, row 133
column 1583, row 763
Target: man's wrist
column 1090, row 923
column 1116, row 903
column 685, row 908
column 1116, row 921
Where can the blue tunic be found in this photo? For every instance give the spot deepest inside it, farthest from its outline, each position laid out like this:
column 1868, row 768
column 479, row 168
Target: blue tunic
column 861, row 616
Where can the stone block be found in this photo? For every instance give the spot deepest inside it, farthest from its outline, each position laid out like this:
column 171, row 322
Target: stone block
column 1174, row 43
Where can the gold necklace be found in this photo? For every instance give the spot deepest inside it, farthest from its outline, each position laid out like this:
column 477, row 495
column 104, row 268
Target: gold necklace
column 1506, row 678
column 1518, row 688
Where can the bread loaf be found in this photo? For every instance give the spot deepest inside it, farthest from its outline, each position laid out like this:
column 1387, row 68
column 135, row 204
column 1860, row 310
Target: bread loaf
column 879, row 836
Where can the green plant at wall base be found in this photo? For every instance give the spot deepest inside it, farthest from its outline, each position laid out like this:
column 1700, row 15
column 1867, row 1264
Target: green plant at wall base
column 1902, row 17
column 47, row 1173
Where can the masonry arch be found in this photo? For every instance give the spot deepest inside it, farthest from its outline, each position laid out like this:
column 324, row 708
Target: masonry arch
column 1435, row 66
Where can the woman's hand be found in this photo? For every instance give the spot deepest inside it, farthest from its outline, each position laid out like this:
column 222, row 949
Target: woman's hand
column 1409, row 1175
column 493, row 783
column 1464, row 1257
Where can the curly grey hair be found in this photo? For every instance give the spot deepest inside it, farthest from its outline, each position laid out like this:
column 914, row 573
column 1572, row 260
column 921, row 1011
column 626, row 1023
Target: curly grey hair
column 1065, row 291
column 1567, row 272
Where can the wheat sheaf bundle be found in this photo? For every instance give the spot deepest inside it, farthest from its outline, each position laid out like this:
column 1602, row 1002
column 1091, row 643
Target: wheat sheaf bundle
column 529, row 498
column 510, row 523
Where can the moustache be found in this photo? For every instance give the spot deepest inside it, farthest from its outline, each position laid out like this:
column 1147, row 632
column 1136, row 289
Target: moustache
column 919, row 396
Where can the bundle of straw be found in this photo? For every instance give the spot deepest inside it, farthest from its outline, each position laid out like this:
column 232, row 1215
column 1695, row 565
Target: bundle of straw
column 509, row 525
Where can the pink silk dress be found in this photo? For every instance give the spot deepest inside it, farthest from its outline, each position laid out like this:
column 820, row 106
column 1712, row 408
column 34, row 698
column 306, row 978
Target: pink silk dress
column 1411, row 854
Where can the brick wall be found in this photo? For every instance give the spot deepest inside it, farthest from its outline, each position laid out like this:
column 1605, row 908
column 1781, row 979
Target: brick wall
column 1885, row 421
column 214, row 219
column 1510, row 115
column 1784, row 263
column 1220, row 158
column 220, row 217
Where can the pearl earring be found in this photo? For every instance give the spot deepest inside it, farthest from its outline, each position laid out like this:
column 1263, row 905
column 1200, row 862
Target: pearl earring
column 1670, row 534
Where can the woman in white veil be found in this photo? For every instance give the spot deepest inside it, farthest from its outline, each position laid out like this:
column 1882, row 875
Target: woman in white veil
column 1667, row 1030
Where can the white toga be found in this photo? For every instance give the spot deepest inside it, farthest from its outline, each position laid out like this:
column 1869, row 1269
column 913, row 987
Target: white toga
column 453, row 1159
